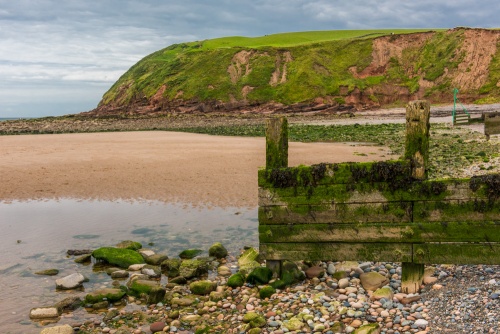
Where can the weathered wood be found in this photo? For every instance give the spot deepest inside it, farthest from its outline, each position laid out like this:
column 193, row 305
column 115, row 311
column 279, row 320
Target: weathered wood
column 417, row 136
column 338, row 251
column 378, row 211
column 336, row 213
column 491, row 124
column 411, row 277
column 458, row 253
column 276, row 142
column 382, row 232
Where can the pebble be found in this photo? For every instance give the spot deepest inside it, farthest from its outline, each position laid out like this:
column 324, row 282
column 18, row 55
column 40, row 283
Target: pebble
column 454, row 303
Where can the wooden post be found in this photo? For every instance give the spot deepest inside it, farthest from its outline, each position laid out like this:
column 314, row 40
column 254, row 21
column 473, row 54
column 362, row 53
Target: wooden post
column 276, row 157
column 417, row 137
column 276, row 142
column 416, row 150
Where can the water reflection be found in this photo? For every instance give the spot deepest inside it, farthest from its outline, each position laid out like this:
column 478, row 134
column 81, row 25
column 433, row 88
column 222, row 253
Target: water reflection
column 36, row 235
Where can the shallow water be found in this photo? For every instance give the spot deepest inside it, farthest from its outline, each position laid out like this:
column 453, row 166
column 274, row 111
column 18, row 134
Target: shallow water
column 36, row 235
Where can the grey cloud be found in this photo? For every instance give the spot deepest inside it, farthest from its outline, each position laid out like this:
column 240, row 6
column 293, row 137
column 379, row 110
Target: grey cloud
column 47, row 45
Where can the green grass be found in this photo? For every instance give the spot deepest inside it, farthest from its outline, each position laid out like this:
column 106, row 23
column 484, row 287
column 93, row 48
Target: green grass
column 297, row 38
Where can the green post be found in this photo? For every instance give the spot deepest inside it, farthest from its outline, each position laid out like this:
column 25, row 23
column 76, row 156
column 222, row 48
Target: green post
column 416, row 150
column 276, row 143
column 417, row 137
column 276, row 157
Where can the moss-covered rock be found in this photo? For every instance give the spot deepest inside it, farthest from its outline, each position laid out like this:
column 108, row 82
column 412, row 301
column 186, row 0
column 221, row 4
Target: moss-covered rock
column 139, row 286
column 217, row 250
column 236, row 280
column 261, row 275
column 384, row 292
column 48, row 272
column 368, row 329
column 279, row 284
column 291, row 273
column 266, row 292
column 202, row 287
column 248, row 267
column 156, row 295
column 171, row 267
column 190, row 253
column 110, row 295
column 254, row 319
column 294, row 324
column 372, row 280
column 84, row 258
column 121, row 257
column 193, row 268
column 129, row 244
column 338, row 275
column 155, row 259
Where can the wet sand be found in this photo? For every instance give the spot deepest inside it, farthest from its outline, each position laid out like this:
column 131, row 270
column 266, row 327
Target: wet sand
column 166, row 166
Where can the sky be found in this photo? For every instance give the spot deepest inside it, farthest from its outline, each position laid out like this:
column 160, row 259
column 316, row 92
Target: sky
column 59, row 57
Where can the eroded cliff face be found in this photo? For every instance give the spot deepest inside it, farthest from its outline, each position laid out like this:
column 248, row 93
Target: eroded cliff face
column 402, row 67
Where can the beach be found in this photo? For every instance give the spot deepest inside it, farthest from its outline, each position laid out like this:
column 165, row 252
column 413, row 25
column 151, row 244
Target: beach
column 154, row 165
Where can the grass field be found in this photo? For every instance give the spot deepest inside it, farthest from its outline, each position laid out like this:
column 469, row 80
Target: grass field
column 299, row 38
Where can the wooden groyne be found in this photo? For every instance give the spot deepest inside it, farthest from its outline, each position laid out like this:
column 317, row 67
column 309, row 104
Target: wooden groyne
column 376, row 211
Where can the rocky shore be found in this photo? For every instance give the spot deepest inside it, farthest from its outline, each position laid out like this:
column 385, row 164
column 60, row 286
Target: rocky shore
column 235, row 294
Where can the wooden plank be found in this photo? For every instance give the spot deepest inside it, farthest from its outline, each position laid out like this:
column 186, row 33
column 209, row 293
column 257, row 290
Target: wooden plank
column 336, row 213
column 382, row 232
column 337, row 251
column 456, row 210
column 457, row 253
column 377, row 192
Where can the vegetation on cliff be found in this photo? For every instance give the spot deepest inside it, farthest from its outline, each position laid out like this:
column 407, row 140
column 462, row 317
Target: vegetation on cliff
column 334, row 69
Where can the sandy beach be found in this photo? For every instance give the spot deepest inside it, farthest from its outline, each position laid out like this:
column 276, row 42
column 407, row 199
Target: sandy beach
column 166, row 166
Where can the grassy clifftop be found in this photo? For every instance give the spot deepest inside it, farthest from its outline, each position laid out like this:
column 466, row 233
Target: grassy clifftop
column 334, row 69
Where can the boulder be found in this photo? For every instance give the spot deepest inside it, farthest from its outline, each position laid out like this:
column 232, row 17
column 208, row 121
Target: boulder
column 248, row 267
column 260, row 275
column 121, row 257
column 151, row 271
column 64, row 329
column 266, row 292
column 139, row 286
column 119, row 274
column 217, row 250
column 224, row 271
column 156, row 259
column 294, row 324
column 156, row 295
column 316, row 271
column 107, row 294
column 291, row 273
column 171, row 267
column 384, row 292
column 371, row 281
column 136, row 267
column 68, row 304
column 193, row 268
column 254, row 319
column 44, row 313
column 69, row 282
column 202, row 287
column 368, row 329
column 84, row 258
column 236, row 280
column 129, row 244
column 48, row 272
column 190, row 254
column 157, row 326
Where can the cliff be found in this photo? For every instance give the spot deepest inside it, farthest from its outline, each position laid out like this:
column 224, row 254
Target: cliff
column 293, row 73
